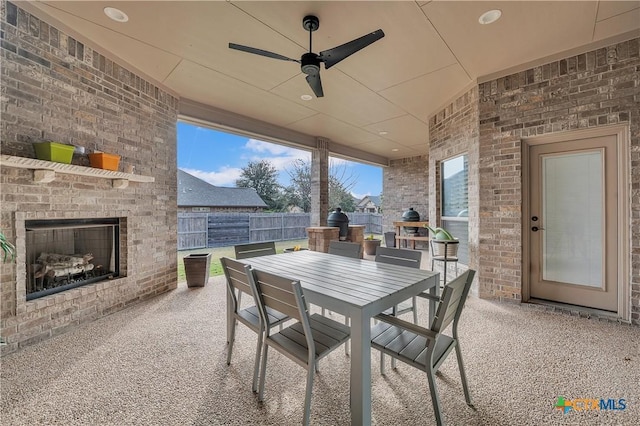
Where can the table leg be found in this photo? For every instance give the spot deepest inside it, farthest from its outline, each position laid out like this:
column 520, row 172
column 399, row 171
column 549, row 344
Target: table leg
column 360, row 370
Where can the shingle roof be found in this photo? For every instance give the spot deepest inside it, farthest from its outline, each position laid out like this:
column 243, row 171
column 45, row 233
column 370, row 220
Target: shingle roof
column 375, row 199
column 196, row 192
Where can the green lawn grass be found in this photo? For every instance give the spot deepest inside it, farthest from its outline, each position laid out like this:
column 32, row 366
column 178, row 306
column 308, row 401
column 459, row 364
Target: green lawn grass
column 218, row 252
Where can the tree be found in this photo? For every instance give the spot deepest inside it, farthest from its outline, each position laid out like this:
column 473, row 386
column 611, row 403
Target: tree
column 340, row 184
column 262, row 176
column 339, row 196
column 298, row 193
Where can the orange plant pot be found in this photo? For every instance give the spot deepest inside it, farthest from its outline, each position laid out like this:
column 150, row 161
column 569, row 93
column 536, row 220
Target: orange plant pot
column 101, row 160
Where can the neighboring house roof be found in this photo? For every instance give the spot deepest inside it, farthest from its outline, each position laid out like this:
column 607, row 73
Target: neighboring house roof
column 374, row 199
column 196, row 192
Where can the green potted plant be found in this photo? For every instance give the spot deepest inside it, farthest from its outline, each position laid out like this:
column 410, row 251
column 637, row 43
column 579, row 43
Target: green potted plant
column 8, row 249
column 441, row 235
column 371, row 244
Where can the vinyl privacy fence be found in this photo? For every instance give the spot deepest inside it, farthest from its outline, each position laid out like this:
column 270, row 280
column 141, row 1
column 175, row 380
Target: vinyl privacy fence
column 206, row 230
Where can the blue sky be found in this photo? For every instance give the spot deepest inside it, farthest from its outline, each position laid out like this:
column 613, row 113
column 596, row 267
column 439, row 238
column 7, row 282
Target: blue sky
column 218, row 158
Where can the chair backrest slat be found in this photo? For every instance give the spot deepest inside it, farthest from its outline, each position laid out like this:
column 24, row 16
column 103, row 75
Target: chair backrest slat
column 452, row 301
column 245, row 251
column 236, row 275
column 402, row 257
column 346, row 248
column 276, row 292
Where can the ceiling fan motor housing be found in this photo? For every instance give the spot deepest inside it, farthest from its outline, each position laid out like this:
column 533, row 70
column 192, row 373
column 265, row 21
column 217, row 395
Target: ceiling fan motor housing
column 310, row 23
column 309, row 63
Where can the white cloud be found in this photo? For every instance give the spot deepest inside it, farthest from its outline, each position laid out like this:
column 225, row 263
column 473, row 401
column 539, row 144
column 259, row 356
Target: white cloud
column 225, row 176
column 280, row 156
column 273, row 149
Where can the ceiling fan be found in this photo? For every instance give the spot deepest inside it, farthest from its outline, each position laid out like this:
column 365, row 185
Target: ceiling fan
column 310, row 62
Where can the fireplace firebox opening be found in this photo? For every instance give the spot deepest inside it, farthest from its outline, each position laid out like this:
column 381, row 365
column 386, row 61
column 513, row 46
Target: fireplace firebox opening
column 68, row 253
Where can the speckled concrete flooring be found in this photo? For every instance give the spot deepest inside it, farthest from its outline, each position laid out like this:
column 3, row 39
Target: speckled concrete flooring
column 162, row 362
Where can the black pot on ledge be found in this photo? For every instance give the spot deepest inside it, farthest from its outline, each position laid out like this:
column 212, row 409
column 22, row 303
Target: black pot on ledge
column 411, row 216
column 340, row 220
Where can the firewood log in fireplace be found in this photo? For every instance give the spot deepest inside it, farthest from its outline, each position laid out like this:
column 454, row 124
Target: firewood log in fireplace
column 62, row 264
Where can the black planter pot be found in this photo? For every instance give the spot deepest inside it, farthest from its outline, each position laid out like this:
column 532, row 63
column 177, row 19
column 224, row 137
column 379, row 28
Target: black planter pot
column 390, row 239
column 196, row 268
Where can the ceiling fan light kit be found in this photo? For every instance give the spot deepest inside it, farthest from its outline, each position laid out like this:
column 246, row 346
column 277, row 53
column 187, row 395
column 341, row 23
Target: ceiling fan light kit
column 310, row 62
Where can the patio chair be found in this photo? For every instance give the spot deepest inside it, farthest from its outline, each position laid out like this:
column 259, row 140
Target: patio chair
column 305, row 342
column 427, row 348
column 238, row 280
column 402, row 257
column 245, row 251
column 346, row 248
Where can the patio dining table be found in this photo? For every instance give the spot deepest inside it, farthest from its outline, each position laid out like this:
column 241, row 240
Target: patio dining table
column 356, row 288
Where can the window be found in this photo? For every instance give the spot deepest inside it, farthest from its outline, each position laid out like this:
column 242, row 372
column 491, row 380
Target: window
column 455, row 201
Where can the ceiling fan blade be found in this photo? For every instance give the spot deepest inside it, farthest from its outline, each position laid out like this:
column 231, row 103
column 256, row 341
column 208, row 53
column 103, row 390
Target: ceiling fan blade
column 316, row 84
column 333, row 56
column 260, row 52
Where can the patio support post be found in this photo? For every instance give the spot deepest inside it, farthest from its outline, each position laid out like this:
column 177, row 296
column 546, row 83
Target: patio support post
column 320, row 183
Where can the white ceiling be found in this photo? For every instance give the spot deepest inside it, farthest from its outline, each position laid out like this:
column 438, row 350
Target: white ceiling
column 432, row 51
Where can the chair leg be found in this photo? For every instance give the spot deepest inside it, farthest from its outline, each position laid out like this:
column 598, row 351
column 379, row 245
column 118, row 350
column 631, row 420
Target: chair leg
column 307, row 396
column 346, row 344
column 232, row 338
column 256, row 366
column 263, row 369
column 414, row 300
column 435, row 399
column 382, row 363
column 463, row 377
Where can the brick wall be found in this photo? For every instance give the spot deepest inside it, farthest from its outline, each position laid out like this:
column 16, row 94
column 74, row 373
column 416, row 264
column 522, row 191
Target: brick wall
column 597, row 88
column 593, row 89
column 404, row 185
column 57, row 88
column 454, row 131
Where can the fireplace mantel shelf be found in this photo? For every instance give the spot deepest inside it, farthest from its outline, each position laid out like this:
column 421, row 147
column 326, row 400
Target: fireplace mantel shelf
column 45, row 171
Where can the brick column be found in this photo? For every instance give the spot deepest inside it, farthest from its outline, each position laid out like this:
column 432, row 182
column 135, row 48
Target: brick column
column 320, row 236
column 320, row 183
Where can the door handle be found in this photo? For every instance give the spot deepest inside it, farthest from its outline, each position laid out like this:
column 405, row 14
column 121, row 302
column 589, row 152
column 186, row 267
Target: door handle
column 536, row 229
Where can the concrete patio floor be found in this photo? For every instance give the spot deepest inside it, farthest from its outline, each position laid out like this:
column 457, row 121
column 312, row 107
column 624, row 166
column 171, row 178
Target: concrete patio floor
column 162, row 362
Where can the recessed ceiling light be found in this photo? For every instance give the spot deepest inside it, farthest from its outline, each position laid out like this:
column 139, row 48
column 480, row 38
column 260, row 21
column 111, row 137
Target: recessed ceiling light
column 395, row 150
column 306, row 97
column 383, row 132
column 116, row 14
column 490, row 17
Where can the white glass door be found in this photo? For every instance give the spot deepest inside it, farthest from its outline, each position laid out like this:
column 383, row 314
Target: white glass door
column 573, row 223
column 573, row 212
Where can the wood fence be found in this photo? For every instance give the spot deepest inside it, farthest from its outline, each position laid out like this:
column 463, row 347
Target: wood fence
column 205, row 230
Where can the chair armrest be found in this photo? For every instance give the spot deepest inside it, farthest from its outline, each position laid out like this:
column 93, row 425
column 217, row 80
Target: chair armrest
column 429, row 296
column 425, row 332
